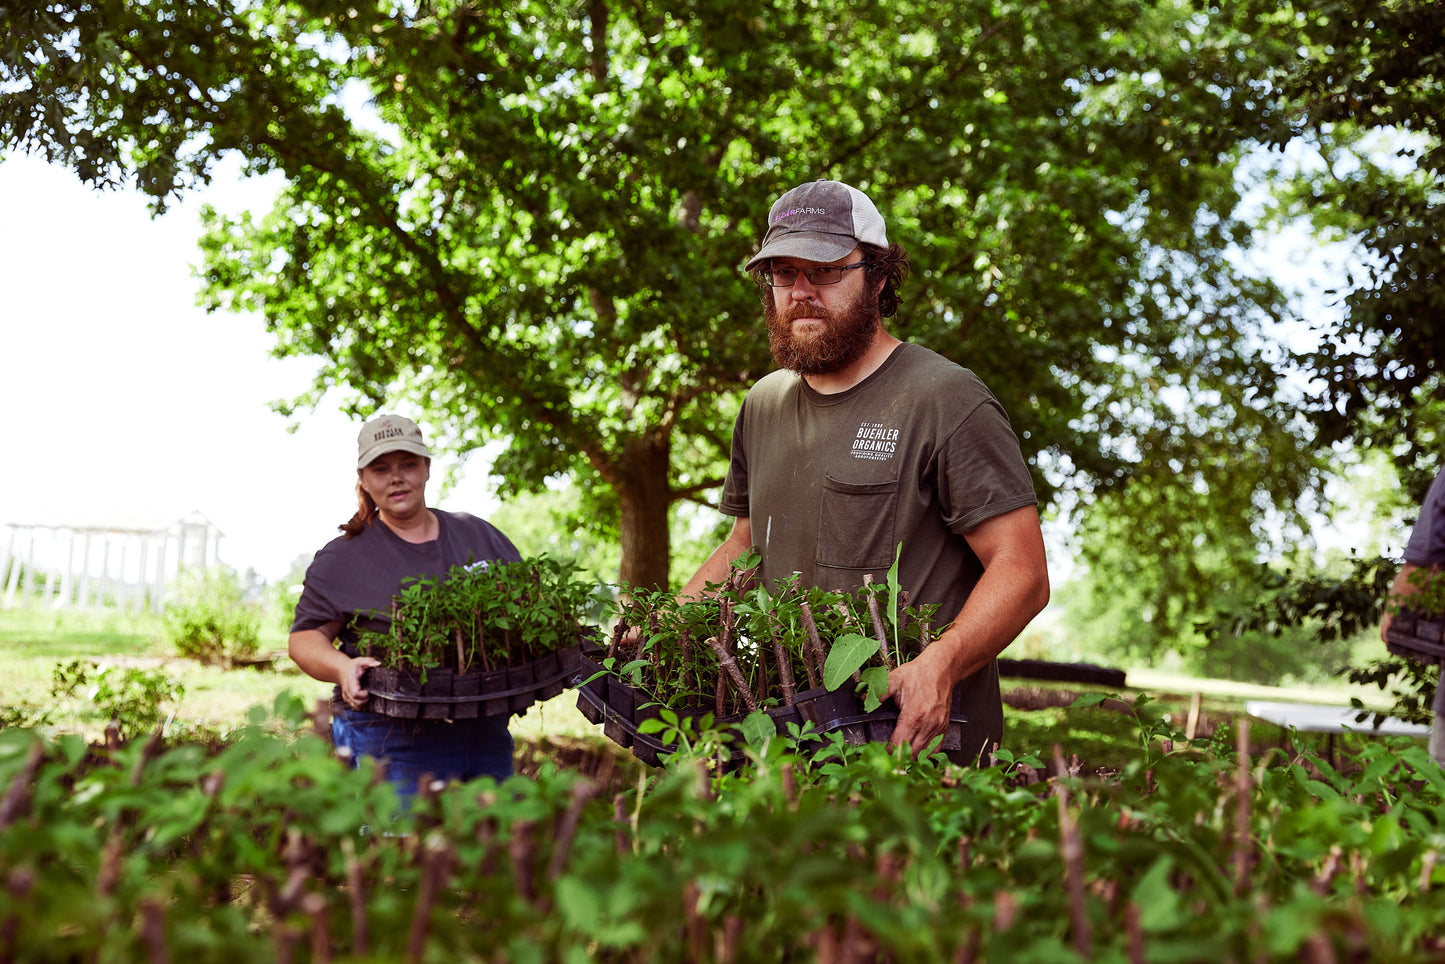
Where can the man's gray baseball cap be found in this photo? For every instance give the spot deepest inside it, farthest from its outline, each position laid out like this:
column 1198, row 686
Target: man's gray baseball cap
column 820, row 221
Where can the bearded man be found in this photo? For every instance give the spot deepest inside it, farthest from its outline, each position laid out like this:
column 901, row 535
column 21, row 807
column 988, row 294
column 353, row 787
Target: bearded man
column 861, row 443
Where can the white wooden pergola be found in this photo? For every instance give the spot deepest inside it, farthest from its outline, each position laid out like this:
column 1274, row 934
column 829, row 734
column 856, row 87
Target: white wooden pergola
column 92, row 566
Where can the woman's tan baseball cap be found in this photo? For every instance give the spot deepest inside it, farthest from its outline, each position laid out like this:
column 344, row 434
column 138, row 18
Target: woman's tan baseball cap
column 388, row 433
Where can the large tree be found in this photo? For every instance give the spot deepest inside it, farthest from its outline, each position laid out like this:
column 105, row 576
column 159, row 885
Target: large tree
column 527, row 218
column 1362, row 109
column 1364, row 106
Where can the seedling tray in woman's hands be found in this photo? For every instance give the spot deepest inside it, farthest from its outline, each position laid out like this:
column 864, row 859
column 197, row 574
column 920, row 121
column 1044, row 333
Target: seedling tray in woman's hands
column 445, row 694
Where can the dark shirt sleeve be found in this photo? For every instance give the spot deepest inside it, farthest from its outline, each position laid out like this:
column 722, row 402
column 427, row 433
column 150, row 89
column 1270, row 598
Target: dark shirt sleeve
column 981, row 472
column 1427, row 540
column 735, row 486
column 318, row 605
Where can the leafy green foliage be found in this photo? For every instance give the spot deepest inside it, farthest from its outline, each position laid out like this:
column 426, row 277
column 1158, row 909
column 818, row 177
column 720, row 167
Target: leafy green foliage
column 484, row 616
column 1337, row 604
column 1334, row 608
column 1152, row 727
column 1427, row 595
column 694, row 737
column 1409, row 683
column 1363, row 101
column 268, row 848
column 1223, row 615
column 207, row 617
column 24, row 715
column 133, row 698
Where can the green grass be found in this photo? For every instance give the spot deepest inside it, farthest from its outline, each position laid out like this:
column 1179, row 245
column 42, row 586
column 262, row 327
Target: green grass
column 33, row 642
column 45, row 634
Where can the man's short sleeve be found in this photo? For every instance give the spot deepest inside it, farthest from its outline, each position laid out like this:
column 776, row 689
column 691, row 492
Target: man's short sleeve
column 735, row 486
column 981, row 472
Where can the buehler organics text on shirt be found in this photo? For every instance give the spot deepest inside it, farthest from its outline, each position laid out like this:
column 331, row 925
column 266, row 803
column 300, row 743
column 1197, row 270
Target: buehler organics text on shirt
column 875, row 441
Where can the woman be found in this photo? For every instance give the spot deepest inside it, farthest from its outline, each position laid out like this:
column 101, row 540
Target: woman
column 350, row 585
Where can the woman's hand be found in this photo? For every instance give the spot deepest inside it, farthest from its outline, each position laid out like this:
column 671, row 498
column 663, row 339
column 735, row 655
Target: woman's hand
column 314, row 651
column 351, row 689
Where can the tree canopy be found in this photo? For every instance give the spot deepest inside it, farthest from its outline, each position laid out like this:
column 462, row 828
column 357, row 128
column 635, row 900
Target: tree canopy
column 527, row 219
column 1365, row 105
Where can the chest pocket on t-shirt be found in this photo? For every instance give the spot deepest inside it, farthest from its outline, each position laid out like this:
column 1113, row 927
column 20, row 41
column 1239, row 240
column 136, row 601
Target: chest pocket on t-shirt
column 855, row 525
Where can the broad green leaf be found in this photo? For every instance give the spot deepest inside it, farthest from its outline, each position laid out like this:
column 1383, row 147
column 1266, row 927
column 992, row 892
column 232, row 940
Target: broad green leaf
column 1159, row 908
column 875, row 679
column 579, row 905
column 758, row 728
column 893, row 589
column 847, row 657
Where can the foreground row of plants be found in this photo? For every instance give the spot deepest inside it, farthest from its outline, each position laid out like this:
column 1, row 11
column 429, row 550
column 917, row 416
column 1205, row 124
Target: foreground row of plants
column 270, row 849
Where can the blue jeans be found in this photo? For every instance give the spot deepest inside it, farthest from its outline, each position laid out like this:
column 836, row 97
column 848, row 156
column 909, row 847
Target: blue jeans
column 407, row 749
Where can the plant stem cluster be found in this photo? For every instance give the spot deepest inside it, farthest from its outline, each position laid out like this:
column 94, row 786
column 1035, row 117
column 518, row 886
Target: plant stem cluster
column 483, row 616
column 742, row 648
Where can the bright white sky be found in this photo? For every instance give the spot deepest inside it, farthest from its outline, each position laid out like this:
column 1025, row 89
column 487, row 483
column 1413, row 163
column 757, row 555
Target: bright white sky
column 129, row 406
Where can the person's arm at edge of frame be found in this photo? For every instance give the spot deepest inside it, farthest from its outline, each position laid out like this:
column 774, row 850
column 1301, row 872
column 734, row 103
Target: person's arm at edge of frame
column 1402, row 586
column 314, row 650
column 1013, row 589
column 719, row 564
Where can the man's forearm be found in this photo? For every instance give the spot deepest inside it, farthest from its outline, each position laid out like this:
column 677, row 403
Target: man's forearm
column 1006, row 599
column 719, row 565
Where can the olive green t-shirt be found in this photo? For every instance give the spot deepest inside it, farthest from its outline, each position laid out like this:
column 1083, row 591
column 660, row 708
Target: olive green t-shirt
column 917, row 454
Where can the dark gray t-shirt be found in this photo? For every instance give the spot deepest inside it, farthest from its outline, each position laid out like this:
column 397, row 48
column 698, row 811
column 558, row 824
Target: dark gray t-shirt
column 1427, row 540
column 350, row 578
column 917, row 454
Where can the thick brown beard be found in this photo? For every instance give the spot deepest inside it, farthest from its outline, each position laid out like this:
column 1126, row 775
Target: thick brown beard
column 846, row 335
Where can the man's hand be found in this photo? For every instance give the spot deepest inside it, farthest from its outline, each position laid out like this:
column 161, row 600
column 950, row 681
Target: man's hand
column 925, row 704
column 1013, row 589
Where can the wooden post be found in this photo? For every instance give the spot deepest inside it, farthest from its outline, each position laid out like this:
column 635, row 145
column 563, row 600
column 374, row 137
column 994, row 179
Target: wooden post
column 123, row 594
column 14, row 578
column 67, row 577
column 52, row 571
column 28, row 585
column 8, row 552
column 1192, row 725
column 158, row 594
column 105, row 580
column 142, row 577
column 83, row 596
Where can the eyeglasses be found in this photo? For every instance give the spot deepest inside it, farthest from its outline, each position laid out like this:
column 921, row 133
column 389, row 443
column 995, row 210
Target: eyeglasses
column 827, row 274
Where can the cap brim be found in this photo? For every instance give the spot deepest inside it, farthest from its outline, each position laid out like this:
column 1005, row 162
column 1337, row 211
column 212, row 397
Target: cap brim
column 806, row 245
column 392, row 445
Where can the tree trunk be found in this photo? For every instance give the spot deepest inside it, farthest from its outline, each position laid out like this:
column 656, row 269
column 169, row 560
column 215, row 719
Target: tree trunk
column 646, row 495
